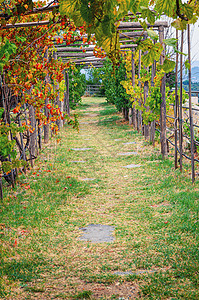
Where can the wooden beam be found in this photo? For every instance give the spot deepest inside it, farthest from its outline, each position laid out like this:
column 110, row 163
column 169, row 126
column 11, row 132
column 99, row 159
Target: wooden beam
column 75, row 55
column 73, row 49
column 125, row 41
column 95, row 66
column 28, row 24
column 87, row 60
column 92, row 65
column 128, row 46
column 137, row 25
column 130, row 34
column 46, row 8
column 88, row 49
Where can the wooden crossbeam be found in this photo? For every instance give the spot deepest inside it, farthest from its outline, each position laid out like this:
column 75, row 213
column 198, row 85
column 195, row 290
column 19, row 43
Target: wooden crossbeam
column 73, row 49
column 28, row 24
column 93, row 59
column 46, row 8
column 70, row 50
column 130, row 34
column 137, row 25
column 94, row 66
column 125, row 41
column 76, row 55
column 128, row 46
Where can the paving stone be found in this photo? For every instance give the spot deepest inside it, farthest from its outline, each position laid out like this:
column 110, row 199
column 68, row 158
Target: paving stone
column 117, row 140
column 120, row 273
column 87, row 179
column 97, row 233
column 132, row 166
column 91, row 115
column 83, row 123
column 78, row 161
column 129, row 143
column 128, row 153
column 81, row 149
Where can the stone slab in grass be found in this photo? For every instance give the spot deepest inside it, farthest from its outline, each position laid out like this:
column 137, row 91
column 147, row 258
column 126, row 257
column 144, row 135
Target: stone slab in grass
column 83, row 123
column 81, row 149
column 120, row 273
column 117, row 140
column 129, row 143
column 78, row 161
column 132, row 166
column 97, row 233
column 128, row 153
column 88, row 179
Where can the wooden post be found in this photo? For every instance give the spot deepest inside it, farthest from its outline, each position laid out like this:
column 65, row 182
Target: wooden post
column 180, row 111
column 152, row 126
column 126, row 113
column 1, row 189
column 39, row 136
column 190, row 106
column 139, row 123
column 134, row 121
column 33, row 134
column 163, row 103
column 146, row 91
column 46, row 110
column 131, row 108
column 22, row 145
column 67, row 93
column 176, row 106
column 57, row 101
column 146, row 127
column 130, row 115
column 12, row 178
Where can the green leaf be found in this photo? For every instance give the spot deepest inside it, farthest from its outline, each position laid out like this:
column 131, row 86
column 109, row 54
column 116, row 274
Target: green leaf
column 67, row 7
column 187, row 64
column 168, row 65
column 1, row 112
column 188, row 10
column 166, row 6
column 179, row 24
column 152, row 34
column 170, row 42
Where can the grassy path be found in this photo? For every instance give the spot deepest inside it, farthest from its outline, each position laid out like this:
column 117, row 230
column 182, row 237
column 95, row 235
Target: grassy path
column 153, row 208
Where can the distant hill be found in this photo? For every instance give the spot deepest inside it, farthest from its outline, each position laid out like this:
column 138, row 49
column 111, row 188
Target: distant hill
column 194, row 72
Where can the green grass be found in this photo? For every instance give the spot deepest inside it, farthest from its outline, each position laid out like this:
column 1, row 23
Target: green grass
column 154, row 210
column 108, row 111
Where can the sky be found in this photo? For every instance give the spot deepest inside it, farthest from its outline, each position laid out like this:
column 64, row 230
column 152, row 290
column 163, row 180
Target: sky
column 195, row 42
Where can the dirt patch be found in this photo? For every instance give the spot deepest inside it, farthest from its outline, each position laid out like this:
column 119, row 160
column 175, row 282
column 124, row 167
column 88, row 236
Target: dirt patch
column 125, row 290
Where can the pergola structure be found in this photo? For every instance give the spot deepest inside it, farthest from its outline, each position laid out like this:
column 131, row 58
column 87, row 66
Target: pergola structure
column 82, row 54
